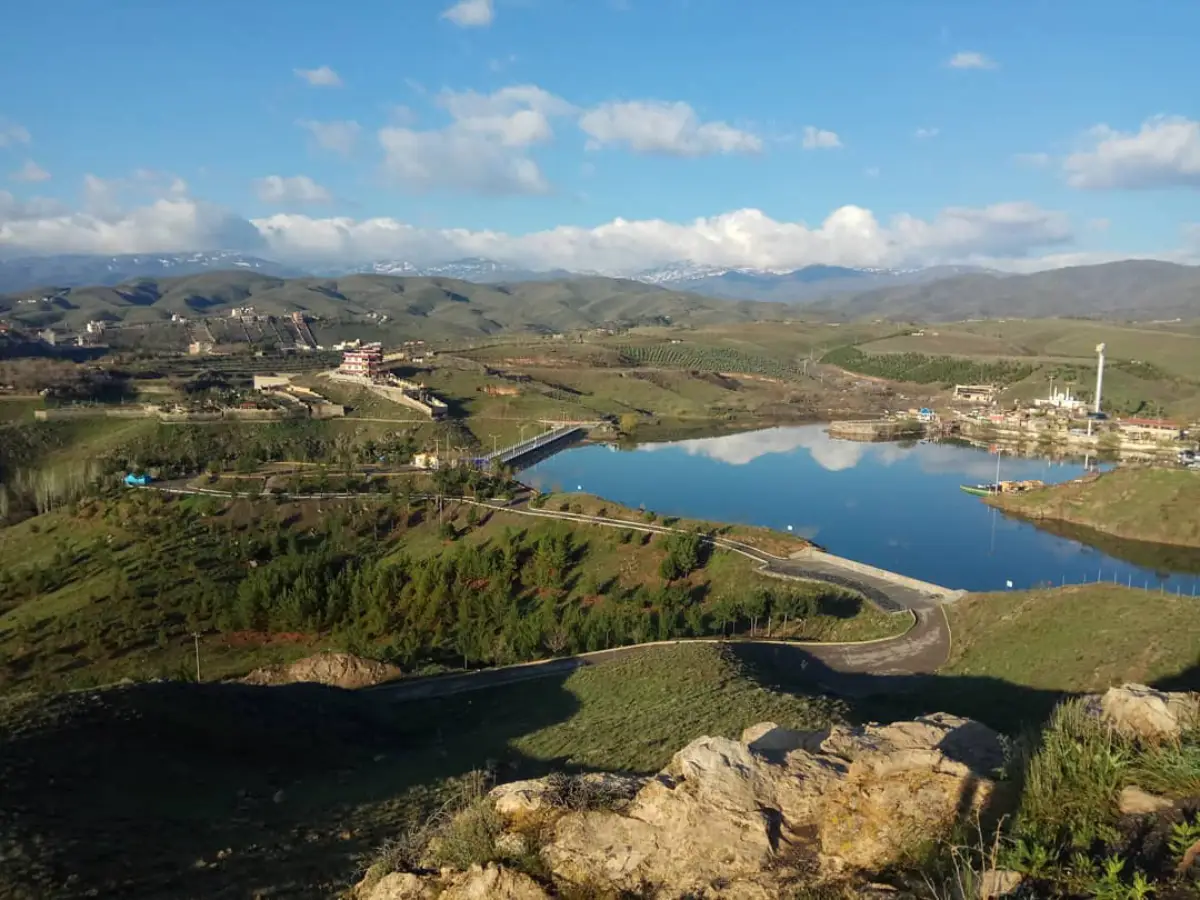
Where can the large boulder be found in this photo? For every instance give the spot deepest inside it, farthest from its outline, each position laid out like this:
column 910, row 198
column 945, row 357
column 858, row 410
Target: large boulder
column 726, row 817
column 1143, row 712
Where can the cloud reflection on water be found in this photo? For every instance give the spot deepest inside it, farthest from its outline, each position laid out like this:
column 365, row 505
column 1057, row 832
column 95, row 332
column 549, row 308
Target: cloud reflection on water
column 745, row 447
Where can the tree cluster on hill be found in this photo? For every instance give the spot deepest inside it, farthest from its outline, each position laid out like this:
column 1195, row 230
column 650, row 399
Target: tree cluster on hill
column 522, row 594
column 59, row 381
column 919, row 368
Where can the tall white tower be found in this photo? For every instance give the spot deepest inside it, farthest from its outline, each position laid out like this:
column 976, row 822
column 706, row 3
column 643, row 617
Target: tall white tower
column 1099, row 373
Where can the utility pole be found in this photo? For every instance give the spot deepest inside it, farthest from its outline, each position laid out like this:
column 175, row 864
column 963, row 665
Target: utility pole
column 196, row 640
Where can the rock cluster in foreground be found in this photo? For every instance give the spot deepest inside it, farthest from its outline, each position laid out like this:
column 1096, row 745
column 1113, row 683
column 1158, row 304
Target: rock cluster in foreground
column 731, row 818
column 747, row 818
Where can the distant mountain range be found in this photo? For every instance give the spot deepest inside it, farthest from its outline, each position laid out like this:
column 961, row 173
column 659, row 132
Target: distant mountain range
column 782, row 286
column 1138, row 290
column 76, row 269
column 802, row 285
column 1133, row 289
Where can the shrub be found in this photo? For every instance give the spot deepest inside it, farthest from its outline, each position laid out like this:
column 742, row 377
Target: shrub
column 460, row 833
column 1072, row 780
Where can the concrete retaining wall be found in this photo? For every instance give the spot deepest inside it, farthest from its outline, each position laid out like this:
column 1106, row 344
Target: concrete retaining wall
column 925, row 587
column 93, row 412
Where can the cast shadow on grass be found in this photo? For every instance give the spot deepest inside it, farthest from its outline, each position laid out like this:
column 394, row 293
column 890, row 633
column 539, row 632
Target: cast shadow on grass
column 140, row 792
column 222, row 790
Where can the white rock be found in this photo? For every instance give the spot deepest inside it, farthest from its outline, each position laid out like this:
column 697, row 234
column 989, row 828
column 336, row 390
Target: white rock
column 1141, row 711
column 996, row 883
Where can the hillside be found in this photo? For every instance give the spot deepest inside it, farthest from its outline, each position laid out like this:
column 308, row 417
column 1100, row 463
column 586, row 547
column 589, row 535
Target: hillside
column 227, row 791
column 1133, row 289
column 422, row 306
column 1155, row 505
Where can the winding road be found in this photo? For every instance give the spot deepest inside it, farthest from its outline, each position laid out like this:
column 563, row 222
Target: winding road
column 920, row 650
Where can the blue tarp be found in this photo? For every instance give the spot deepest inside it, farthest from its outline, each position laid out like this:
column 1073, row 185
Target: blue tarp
column 137, row 480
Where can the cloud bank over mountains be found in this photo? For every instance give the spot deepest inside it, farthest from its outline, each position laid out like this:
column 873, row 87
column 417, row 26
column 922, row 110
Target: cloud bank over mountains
column 849, row 236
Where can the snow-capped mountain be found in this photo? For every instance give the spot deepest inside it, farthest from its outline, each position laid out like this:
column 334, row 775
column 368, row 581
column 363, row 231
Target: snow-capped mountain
column 474, row 268
column 76, row 270
column 801, row 285
column 672, row 273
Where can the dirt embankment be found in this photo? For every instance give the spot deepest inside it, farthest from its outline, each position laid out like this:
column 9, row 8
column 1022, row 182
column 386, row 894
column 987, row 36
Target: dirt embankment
column 330, row 669
column 1138, row 504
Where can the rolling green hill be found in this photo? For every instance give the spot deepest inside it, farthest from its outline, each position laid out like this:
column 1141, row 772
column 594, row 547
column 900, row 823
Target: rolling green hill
column 429, row 307
column 1133, row 289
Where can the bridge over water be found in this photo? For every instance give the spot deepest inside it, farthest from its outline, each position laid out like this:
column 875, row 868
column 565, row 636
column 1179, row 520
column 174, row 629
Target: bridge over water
column 537, row 445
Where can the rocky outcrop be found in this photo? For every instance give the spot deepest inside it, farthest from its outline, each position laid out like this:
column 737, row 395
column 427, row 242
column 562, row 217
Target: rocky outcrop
column 729, row 812
column 1143, row 712
column 333, row 669
column 739, row 819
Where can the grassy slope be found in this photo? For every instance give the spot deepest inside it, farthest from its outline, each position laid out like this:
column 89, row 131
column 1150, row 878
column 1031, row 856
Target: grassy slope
column 419, row 307
column 88, row 631
column 202, row 763
column 1083, row 638
column 1064, row 351
column 1157, row 505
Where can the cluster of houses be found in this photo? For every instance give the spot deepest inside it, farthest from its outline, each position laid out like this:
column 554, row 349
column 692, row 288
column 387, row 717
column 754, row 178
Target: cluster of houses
column 1062, row 415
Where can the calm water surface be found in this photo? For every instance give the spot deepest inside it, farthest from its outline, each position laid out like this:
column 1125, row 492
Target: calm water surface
column 890, row 505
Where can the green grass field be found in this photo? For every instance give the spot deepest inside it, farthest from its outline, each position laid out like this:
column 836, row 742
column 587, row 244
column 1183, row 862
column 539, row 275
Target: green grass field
column 1151, row 370
column 1140, row 504
column 1073, row 639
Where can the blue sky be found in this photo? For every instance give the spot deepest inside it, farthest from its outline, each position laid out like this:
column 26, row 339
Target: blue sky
column 596, row 133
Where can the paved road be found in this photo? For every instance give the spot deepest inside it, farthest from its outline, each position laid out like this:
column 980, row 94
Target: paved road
column 920, row 650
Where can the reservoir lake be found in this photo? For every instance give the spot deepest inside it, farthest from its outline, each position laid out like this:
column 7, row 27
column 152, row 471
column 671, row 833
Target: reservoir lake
column 897, row 506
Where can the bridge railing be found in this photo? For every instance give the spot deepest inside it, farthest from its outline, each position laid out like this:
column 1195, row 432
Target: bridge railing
column 522, row 447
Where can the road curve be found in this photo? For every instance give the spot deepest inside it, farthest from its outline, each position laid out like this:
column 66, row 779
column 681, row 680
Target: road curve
column 922, row 649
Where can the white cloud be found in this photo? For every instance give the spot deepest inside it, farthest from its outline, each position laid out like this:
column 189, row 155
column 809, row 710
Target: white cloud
column 336, row 136
column 322, row 76
column 1033, row 160
column 970, row 59
column 1164, row 153
column 484, row 149
column 171, row 220
column 871, row 171
column 922, row 134
column 33, row 210
column 1006, row 235
column 471, row 13
column 671, row 129
column 1100, row 224
column 458, row 159
column 819, row 139
column 30, row 173
column 850, row 236
column 295, row 189
column 12, row 134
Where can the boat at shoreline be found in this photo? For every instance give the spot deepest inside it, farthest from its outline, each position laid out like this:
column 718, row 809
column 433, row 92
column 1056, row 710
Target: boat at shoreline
column 1002, row 487
column 980, row 490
